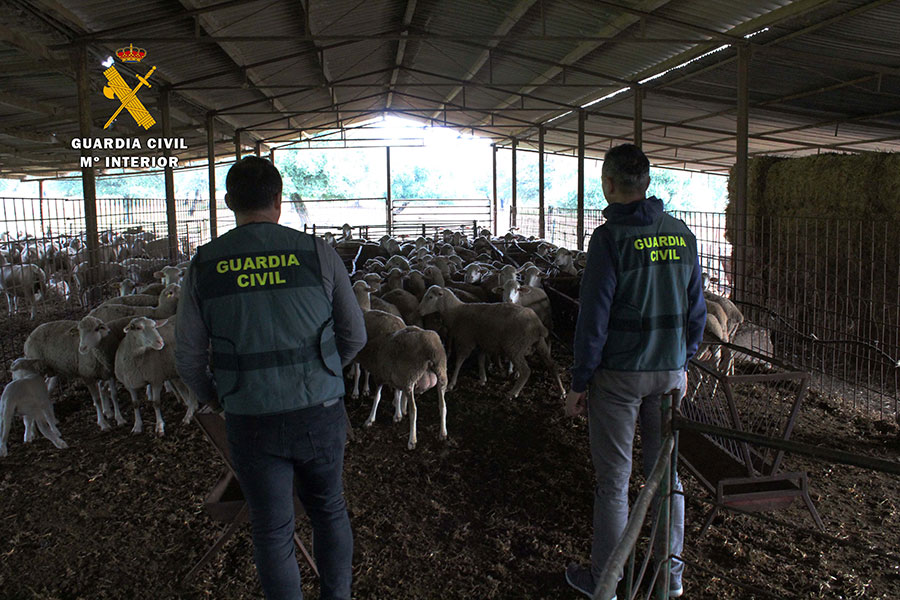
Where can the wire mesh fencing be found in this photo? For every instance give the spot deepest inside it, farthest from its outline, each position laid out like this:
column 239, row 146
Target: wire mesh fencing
column 822, row 294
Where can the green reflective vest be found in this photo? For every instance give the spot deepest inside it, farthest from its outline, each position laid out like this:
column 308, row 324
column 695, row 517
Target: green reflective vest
column 269, row 320
column 649, row 314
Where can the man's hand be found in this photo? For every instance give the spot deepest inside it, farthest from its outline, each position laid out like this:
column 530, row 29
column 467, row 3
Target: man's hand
column 576, row 403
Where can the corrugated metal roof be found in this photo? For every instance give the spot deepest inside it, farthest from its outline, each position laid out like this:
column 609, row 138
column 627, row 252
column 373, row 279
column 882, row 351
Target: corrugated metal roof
column 519, row 62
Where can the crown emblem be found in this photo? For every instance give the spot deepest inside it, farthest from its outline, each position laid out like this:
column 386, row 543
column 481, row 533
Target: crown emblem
column 131, row 54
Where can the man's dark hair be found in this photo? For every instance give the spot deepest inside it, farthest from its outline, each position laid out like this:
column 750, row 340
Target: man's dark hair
column 627, row 166
column 252, row 183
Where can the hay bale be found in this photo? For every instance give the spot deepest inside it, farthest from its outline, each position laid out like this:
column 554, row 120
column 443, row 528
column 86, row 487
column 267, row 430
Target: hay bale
column 822, row 245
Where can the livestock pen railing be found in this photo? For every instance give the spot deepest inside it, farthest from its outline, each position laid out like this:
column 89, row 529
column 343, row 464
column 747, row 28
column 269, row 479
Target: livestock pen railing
column 637, row 558
column 807, row 541
column 825, row 292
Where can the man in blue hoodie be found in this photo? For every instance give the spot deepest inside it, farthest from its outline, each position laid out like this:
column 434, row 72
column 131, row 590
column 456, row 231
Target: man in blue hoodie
column 641, row 320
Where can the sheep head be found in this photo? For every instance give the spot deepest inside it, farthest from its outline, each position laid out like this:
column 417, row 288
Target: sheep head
column 437, row 299
column 91, row 331
column 143, row 331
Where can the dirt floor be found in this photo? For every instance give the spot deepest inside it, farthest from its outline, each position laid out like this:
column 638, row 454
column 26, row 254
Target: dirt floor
column 495, row 512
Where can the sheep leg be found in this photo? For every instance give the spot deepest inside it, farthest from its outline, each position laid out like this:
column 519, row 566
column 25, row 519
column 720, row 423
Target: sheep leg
column 94, row 389
column 410, row 393
column 442, row 409
column 462, row 354
column 482, row 375
column 6, row 416
column 524, row 373
column 188, row 398
column 155, row 398
column 398, row 412
column 375, row 402
column 104, row 400
column 366, row 390
column 355, row 393
column 29, row 429
column 50, row 432
column 135, row 403
column 543, row 349
column 114, row 398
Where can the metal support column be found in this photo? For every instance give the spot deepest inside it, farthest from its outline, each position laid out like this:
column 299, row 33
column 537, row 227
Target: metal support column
column 169, row 173
column 237, row 144
column 388, row 213
column 88, row 183
column 512, row 204
column 41, row 205
column 258, row 148
column 211, row 163
column 541, row 217
column 739, row 252
column 580, row 227
column 638, row 116
column 272, row 155
column 494, row 155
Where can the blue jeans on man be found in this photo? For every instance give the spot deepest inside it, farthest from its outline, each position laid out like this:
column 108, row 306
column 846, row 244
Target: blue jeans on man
column 616, row 401
column 273, row 453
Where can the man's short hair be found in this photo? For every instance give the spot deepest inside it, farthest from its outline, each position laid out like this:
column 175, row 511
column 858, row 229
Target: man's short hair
column 627, row 166
column 252, row 183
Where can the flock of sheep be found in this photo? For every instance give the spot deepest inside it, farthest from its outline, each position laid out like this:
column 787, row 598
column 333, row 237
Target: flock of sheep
column 420, row 299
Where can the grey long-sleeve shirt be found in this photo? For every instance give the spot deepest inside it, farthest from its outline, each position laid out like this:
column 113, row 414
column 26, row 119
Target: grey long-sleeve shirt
column 192, row 353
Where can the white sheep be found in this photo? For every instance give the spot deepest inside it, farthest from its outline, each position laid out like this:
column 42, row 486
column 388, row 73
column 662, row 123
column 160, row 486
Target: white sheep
column 146, row 357
column 55, row 344
column 28, row 395
column 169, row 275
column 26, row 282
column 530, row 297
column 411, row 360
column 503, row 329
column 168, row 304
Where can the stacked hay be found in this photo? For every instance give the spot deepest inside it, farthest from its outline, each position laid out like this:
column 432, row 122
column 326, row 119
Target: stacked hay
column 823, row 243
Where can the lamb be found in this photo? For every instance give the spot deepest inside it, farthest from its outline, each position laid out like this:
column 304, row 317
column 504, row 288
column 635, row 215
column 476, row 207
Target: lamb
column 168, row 304
column 146, row 357
column 135, row 300
column 503, row 329
column 25, row 281
column 29, row 396
column 411, row 360
column 55, row 344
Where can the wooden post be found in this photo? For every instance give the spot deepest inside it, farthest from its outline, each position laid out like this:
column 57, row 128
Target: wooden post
column 739, row 250
column 171, row 217
column 237, row 144
column 272, row 155
column 638, row 116
column 512, row 204
column 258, row 148
column 388, row 214
column 88, row 183
column 541, row 217
column 494, row 154
column 579, row 230
column 211, row 163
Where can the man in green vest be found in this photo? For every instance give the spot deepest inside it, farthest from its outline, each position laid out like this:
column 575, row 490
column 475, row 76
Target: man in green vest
column 271, row 310
column 640, row 321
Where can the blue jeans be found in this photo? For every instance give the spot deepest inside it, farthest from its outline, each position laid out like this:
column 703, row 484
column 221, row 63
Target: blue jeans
column 272, row 453
column 616, row 401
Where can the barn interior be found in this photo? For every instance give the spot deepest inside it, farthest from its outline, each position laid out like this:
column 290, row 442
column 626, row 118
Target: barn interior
column 794, row 100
